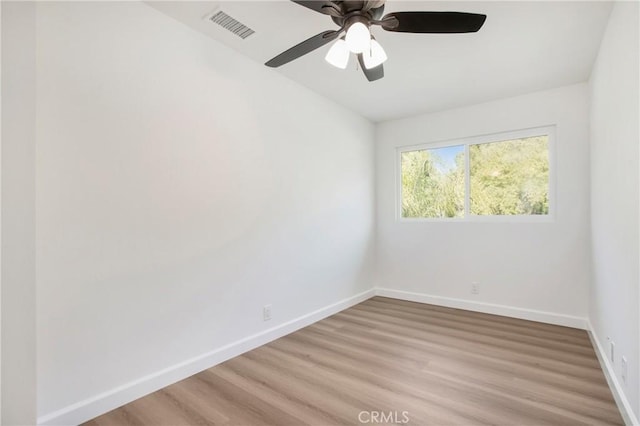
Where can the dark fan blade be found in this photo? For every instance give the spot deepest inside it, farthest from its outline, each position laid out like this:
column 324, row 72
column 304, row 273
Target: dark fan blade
column 433, row 22
column 372, row 74
column 316, row 5
column 303, row 48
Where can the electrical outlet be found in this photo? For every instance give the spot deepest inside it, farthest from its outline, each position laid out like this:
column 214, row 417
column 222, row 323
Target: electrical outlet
column 623, row 369
column 475, row 288
column 612, row 347
column 266, row 312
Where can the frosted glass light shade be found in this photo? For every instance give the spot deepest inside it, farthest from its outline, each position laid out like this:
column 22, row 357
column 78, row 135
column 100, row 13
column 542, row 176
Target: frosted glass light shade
column 358, row 38
column 374, row 56
column 338, row 54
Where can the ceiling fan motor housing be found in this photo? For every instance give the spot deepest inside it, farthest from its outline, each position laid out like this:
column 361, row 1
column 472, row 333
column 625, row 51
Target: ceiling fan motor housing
column 352, row 11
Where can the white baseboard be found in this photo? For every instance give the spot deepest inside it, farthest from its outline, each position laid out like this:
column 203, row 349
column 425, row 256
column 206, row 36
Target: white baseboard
column 99, row 404
column 487, row 308
column 610, row 374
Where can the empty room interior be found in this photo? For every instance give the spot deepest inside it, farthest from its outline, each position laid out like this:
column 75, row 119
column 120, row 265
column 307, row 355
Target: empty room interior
column 320, row 213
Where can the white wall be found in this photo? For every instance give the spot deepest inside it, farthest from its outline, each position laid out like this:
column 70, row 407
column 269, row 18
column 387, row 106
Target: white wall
column 18, row 214
column 531, row 266
column 614, row 193
column 180, row 187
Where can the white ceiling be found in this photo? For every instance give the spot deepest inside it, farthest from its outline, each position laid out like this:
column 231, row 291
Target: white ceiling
column 522, row 47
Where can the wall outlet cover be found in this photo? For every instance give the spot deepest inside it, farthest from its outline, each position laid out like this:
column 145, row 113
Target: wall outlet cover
column 266, row 312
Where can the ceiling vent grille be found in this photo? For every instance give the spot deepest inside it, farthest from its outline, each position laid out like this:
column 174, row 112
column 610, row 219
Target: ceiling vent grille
column 231, row 24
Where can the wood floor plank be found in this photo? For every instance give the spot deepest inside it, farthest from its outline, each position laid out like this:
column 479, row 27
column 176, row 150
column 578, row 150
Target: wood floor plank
column 489, row 365
column 495, row 321
column 473, row 334
column 436, row 365
column 470, row 342
column 520, row 332
column 493, row 384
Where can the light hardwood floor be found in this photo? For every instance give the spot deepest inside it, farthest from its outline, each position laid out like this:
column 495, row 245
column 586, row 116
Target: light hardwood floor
column 428, row 364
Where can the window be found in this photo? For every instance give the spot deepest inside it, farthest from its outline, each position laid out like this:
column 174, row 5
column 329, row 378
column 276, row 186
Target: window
column 488, row 176
column 433, row 182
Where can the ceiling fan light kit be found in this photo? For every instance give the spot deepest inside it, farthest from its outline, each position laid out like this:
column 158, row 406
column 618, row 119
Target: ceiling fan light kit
column 375, row 56
column 338, row 54
column 358, row 37
column 355, row 17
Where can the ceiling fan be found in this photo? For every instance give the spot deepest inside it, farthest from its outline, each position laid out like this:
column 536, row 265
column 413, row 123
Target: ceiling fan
column 355, row 17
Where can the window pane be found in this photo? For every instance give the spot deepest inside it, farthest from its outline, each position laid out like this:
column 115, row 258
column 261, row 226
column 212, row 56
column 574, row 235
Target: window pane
column 433, row 182
column 510, row 177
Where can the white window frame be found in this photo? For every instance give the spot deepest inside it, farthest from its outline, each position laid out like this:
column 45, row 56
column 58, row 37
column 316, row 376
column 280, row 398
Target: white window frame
column 549, row 130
